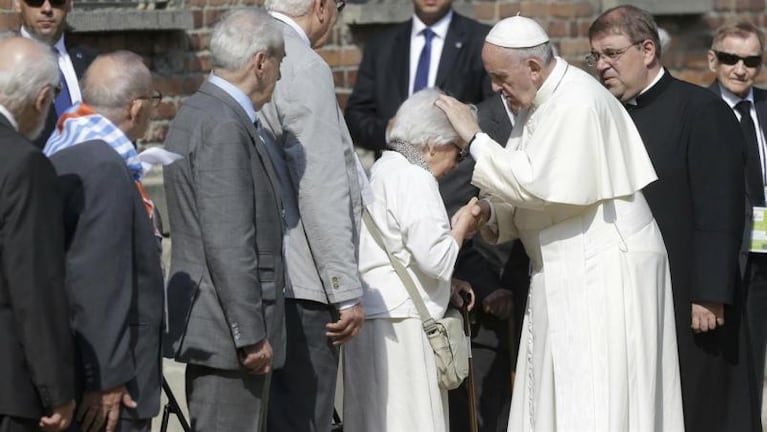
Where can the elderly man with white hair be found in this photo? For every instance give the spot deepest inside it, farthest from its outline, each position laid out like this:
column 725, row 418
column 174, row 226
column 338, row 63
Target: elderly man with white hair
column 390, row 375
column 321, row 182
column 227, row 273
column 598, row 349
column 36, row 380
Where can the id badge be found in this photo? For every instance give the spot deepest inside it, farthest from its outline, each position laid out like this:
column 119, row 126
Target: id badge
column 759, row 231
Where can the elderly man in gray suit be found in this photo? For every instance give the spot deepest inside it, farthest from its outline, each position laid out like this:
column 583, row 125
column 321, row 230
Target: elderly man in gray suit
column 227, row 274
column 314, row 157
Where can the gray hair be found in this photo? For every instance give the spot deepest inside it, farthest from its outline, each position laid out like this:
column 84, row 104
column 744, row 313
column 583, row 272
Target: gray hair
column 19, row 86
column 419, row 122
column 112, row 90
column 544, row 52
column 293, row 8
column 241, row 34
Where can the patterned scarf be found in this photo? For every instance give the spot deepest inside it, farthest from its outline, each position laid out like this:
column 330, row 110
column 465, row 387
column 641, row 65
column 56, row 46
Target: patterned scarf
column 413, row 154
column 81, row 123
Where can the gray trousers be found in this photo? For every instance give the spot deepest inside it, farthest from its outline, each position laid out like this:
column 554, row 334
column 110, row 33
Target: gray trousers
column 221, row 400
column 303, row 391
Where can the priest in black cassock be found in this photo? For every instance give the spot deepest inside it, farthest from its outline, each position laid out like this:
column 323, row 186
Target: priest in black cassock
column 697, row 149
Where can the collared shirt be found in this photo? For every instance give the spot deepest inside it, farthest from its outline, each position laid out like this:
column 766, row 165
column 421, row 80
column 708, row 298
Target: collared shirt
column 633, row 101
column 417, row 41
column 11, row 119
column 733, row 100
column 65, row 66
column 292, row 23
column 238, row 95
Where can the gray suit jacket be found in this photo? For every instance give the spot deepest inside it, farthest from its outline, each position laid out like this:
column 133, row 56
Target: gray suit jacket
column 316, row 150
column 227, row 274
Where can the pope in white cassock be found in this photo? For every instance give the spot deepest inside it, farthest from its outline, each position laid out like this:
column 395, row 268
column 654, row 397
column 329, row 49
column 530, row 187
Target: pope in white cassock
column 598, row 350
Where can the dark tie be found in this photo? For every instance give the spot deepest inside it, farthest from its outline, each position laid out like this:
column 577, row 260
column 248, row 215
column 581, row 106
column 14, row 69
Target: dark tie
column 753, row 162
column 422, row 71
column 64, row 100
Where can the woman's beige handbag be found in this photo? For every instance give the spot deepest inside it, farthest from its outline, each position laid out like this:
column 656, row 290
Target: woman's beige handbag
column 446, row 335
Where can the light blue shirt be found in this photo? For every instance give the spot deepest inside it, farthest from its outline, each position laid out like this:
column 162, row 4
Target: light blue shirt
column 238, row 95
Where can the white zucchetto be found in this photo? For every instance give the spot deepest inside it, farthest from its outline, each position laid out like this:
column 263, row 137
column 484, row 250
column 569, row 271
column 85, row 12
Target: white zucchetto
column 517, row 32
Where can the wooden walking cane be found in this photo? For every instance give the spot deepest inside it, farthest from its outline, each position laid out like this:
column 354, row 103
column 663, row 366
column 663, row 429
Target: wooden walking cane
column 472, row 393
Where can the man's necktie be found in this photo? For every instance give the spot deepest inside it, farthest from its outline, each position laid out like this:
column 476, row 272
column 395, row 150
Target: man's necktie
column 422, row 71
column 64, row 100
column 753, row 161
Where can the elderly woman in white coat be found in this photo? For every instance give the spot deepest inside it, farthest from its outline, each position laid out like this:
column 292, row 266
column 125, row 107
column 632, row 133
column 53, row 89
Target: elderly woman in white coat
column 389, row 371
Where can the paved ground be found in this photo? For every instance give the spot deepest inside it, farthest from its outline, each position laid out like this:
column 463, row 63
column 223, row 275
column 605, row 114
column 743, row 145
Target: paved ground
column 174, row 373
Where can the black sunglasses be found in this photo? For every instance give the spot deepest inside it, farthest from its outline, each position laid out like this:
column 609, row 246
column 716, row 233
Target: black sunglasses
column 733, row 59
column 40, row 3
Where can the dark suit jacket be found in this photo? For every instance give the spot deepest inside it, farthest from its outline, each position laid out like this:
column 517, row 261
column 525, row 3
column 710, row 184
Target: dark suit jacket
column 35, row 341
column 760, row 104
column 81, row 58
column 227, row 274
column 113, row 276
column 383, row 76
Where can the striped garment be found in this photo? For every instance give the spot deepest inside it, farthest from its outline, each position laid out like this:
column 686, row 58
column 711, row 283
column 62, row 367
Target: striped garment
column 81, row 123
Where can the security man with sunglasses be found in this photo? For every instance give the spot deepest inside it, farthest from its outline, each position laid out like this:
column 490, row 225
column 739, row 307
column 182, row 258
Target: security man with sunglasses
column 46, row 21
column 736, row 59
column 696, row 147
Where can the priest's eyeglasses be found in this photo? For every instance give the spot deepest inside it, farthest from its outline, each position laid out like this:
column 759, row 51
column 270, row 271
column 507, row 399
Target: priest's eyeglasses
column 733, row 59
column 610, row 56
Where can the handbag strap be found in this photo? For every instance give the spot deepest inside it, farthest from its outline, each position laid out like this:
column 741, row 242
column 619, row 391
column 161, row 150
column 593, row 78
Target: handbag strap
column 399, row 268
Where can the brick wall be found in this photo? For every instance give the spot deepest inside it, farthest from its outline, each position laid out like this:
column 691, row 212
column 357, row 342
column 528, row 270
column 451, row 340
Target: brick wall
column 180, row 59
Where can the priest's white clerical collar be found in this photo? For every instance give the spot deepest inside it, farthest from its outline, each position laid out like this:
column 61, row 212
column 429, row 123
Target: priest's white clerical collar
column 294, row 25
column 439, row 28
column 551, row 83
column 633, row 101
column 733, row 99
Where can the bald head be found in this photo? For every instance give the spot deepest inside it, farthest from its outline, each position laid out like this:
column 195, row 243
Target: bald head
column 113, row 81
column 28, row 75
column 119, row 87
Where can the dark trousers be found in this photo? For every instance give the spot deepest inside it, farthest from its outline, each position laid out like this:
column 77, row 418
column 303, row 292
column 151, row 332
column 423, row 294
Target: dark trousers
column 756, row 314
column 18, row 424
column 225, row 400
column 303, row 391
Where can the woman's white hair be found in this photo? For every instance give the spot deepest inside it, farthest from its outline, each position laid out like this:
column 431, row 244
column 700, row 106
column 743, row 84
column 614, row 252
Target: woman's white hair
column 20, row 85
column 419, row 122
column 242, row 33
column 292, row 8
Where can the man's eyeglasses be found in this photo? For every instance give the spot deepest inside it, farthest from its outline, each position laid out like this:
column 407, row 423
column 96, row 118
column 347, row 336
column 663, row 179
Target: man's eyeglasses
column 733, row 59
column 155, row 99
column 609, row 55
column 340, row 5
column 40, row 3
column 56, row 89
